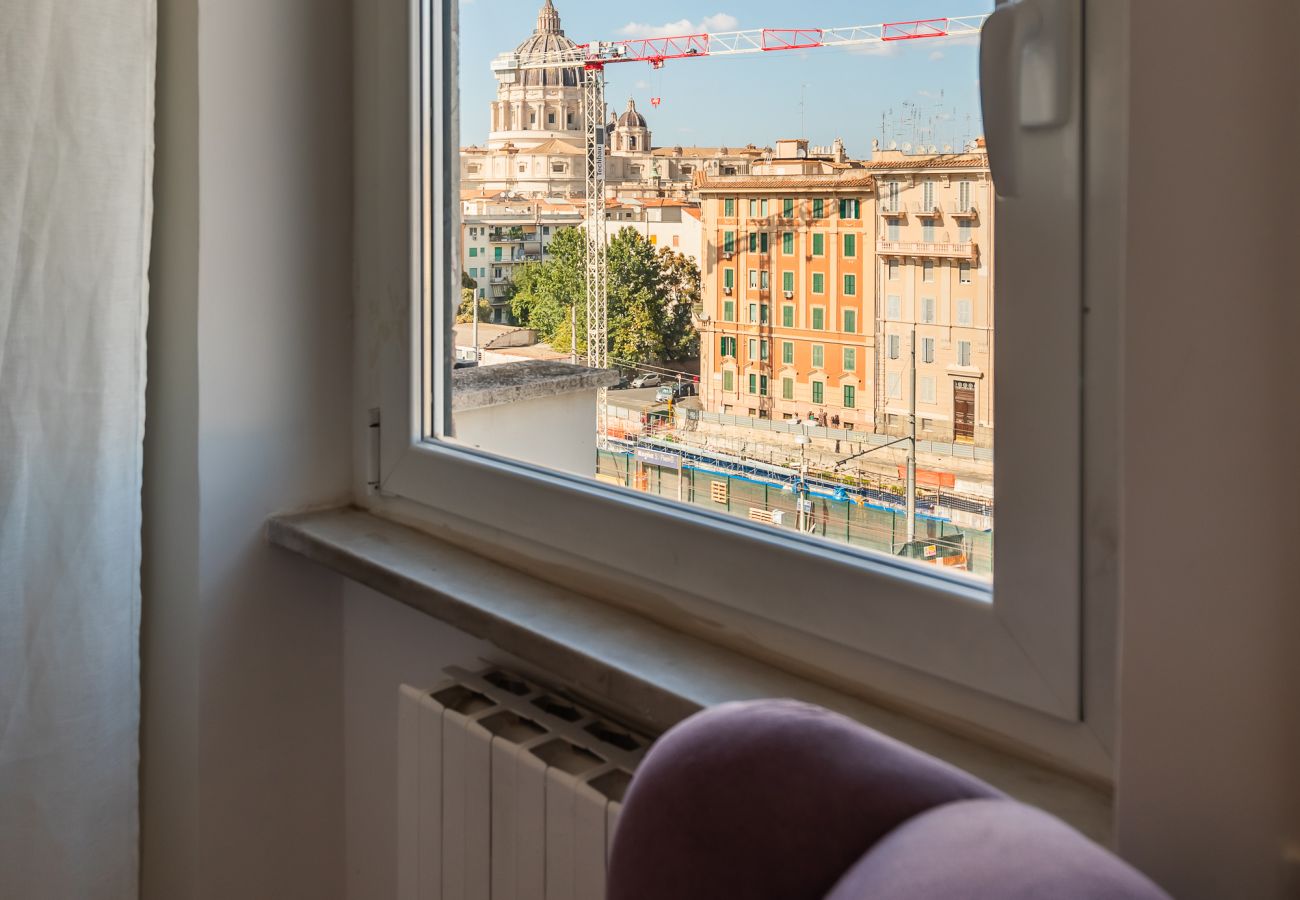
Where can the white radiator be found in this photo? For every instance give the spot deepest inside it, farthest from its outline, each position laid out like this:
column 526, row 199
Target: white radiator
column 506, row 791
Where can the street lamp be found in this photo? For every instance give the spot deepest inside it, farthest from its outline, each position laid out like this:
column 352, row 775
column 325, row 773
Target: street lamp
column 802, row 440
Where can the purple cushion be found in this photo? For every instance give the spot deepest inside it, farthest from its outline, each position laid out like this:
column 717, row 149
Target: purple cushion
column 990, row 850
column 768, row 799
column 777, row 800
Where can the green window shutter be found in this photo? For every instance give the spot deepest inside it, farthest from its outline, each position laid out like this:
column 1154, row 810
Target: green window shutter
column 753, row 208
column 762, row 385
column 819, row 244
column 729, row 278
column 763, row 312
column 728, row 381
column 817, row 392
column 473, row 251
column 729, row 207
column 753, row 383
column 753, row 312
column 819, row 209
column 787, row 388
column 787, row 208
column 787, row 243
column 728, row 310
column 787, row 353
column 787, row 316
column 850, row 245
column 763, row 349
column 819, row 283
column 818, row 356
column 787, row 281
column 850, row 285
column 850, row 396
column 729, row 241
column 851, row 321
column 762, row 242
column 753, row 241
column 497, row 254
column 850, row 359
column 819, row 318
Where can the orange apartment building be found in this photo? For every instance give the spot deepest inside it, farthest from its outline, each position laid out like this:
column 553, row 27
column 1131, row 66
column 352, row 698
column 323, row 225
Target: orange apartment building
column 788, row 306
column 817, row 271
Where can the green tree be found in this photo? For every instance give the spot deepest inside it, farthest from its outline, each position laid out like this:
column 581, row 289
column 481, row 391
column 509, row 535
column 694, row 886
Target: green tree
column 651, row 295
column 468, row 292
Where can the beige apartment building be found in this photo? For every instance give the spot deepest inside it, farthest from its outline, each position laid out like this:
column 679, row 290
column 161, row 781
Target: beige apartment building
column 818, row 271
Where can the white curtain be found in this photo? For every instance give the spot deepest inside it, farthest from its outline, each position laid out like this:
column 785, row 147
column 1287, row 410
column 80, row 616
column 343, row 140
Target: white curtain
column 76, row 163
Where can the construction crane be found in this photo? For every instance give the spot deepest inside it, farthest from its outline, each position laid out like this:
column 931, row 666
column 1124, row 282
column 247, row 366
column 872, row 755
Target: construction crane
column 656, row 51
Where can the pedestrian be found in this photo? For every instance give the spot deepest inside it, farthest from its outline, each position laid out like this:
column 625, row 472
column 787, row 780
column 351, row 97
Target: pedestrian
column 835, row 420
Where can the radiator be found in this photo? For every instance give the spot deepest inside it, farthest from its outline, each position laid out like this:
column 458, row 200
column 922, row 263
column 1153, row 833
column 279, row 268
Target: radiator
column 506, row 791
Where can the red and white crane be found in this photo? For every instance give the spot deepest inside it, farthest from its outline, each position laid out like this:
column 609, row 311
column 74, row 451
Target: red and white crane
column 656, row 51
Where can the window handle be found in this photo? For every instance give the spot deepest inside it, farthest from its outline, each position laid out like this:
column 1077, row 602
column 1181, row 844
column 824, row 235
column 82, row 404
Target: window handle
column 1025, row 79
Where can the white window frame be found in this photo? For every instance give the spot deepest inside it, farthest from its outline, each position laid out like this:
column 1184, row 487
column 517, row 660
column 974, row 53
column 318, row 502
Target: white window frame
column 925, row 638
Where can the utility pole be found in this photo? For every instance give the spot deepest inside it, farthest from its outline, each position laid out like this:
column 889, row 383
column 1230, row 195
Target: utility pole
column 473, row 301
column 573, row 333
column 911, row 449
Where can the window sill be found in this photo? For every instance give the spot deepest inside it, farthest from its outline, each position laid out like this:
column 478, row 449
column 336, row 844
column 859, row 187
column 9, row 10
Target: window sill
column 484, row 386
column 649, row 673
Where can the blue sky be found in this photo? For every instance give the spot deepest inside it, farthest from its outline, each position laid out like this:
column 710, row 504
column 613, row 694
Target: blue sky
column 927, row 90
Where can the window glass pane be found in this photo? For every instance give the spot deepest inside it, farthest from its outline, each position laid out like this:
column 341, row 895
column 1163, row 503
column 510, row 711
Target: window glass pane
column 689, row 325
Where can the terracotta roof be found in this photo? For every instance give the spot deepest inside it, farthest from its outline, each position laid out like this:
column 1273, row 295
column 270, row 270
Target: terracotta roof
column 694, row 212
column 954, row 161
column 776, row 182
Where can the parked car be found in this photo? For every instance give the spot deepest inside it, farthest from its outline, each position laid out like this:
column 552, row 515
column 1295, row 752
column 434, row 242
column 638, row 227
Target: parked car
column 670, row 391
column 648, row 380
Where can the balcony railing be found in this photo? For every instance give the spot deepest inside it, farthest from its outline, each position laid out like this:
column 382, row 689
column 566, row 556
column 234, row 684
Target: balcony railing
column 922, row 209
column 962, row 210
column 893, row 210
column 933, row 249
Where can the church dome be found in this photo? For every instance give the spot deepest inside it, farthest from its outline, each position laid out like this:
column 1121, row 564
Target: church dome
column 548, row 38
column 631, row 118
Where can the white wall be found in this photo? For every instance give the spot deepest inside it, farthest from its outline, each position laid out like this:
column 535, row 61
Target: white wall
column 249, row 390
column 1209, row 755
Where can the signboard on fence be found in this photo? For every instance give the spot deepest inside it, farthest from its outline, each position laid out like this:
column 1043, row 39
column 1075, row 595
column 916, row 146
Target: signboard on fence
column 659, row 458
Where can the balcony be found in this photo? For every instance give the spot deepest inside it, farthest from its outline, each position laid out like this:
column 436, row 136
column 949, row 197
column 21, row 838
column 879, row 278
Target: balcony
column 893, row 210
column 922, row 209
column 933, row 250
column 960, row 210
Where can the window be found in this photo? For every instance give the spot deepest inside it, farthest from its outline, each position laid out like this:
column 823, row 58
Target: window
column 787, row 388
column 927, row 350
column 817, row 389
column 728, row 242
column 497, row 251
column 753, row 242
column 753, row 214
column 729, row 207
column 850, row 285
column 762, row 350
column 729, row 277
column 927, row 230
column 787, row 281
column 753, row 383
column 418, row 464
column 762, row 208
column 895, row 230
column 963, row 312
column 787, row 207
column 927, row 196
column 818, row 356
column 819, row 209
column 963, row 272
column 926, row 389
column 787, row 243
column 850, row 209
column 850, row 245
column 762, row 385
column 762, row 242
column 787, row 353
column 727, row 346
column 964, row 231
column 927, row 271
column 753, row 312
column 473, row 251
column 850, row 396
column 753, row 279
column 963, row 196
column 818, row 244
column 818, row 283
column 728, row 380
column 894, row 385
column 851, row 321
column 850, row 359
column 753, row 349
column 762, row 279
column 893, row 270
column 963, row 353
column 819, row 318
column 728, row 310
column 927, row 310
column 893, row 346
column 787, row 316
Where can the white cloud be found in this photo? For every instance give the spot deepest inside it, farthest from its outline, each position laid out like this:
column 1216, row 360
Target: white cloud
column 707, row 25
